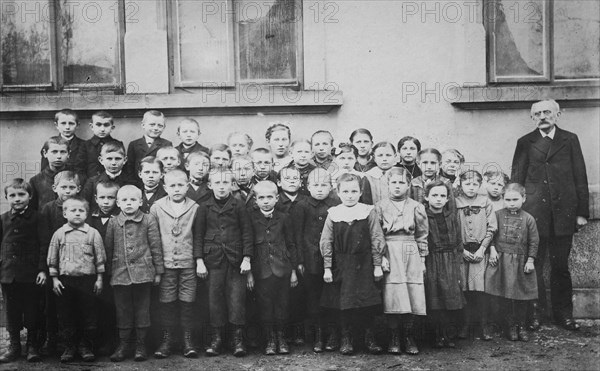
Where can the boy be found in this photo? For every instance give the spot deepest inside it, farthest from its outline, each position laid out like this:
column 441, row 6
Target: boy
column 76, row 260
column 169, row 157
column 66, row 122
column 321, row 145
column 133, row 234
column 301, row 155
column 56, row 154
column 102, row 125
column 151, row 173
column 106, row 206
column 495, row 181
column 262, row 159
column 243, row 171
column 219, row 155
column 22, row 270
column 197, row 164
column 153, row 124
column 309, row 219
column 275, row 261
column 226, row 247
column 179, row 225
column 113, row 159
column 188, row 131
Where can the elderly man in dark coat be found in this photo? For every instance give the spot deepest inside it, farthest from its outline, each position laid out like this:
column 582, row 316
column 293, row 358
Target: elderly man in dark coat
column 550, row 164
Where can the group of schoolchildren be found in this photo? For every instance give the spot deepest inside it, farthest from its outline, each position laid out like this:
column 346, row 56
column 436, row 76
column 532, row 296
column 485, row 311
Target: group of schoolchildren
column 301, row 232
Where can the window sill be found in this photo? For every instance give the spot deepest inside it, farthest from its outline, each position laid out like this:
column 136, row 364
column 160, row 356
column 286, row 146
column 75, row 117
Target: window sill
column 249, row 100
column 523, row 95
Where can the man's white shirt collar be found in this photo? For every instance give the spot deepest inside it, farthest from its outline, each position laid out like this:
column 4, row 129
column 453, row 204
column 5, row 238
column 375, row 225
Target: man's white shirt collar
column 550, row 134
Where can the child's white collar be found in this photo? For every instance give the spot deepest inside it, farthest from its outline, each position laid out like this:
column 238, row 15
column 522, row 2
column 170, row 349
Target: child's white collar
column 347, row 214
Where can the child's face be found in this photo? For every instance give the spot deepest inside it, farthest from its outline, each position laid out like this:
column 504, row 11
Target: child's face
column 220, row 158
column 221, row 183
column 75, row 213
column 513, row 200
column 57, row 155
column 450, row 163
column 176, row 187
column 321, row 146
column 279, row 143
column 198, row 167
column 66, row 125
column 319, row 188
column 188, row 133
column 429, row 165
column 494, row 186
column 150, row 174
column 243, row 170
column 363, row 143
column 17, row 198
column 113, row 162
column 349, row 193
column 398, row 186
column 346, row 160
column 266, row 199
column 169, row 159
column 437, row 198
column 301, row 154
column 408, row 152
column 384, row 158
column 470, row 186
column 106, row 198
column 101, row 127
column 263, row 163
column 153, row 126
column 65, row 189
column 238, row 145
column 129, row 202
column 290, row 180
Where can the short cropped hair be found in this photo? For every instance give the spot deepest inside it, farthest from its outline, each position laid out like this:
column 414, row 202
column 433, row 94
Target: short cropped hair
column 219, row 147
column 516, row 187
column 289, row 167
column 152, row 112
column 319, row 132
column 151, row 160
column 400, row 171
column 318, row 173
column 265, row 186
column 188, row 120
column 18, row 183
column 383, row 145
column 262, row 150
column 299, row 141
column 436, row 183
column 219, row 171
column 69, row 176
column 82, row 200
column 107, row 184
column 130, row 188
column 495, row 174
column 103, row 115
column 347, row 178
column 66, row 112
column 174, row 174
column 197, row 154
column 113, row 146
column 59, row 140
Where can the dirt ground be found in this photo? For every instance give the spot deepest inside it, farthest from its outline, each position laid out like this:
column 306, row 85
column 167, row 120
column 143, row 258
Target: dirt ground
column 551, row 348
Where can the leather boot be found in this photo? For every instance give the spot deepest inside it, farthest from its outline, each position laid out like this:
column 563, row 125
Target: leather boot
column 282, row 345
column 33, row 351
column 535, row 316
column 522, row 332
column 13, row 352
column 123, row 348
column 439, row 337
column 271, row 346
column 333, row 341
column 86, row 346
column 215, row 343
column 239, row 349
column 70, row 348
column 49, row 347
column 346, row 347
column 166, row 345
column 140, row 345
column 394, row 342
column 318, row 340
column 410, row 345
column 486, row 332
column 298, row 334
column 189, row 351
column 370, row 342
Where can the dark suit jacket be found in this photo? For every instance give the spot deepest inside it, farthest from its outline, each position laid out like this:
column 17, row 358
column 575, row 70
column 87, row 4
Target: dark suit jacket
column 41, row 185
column 51, row 219
column 195, row 148
column 556, row 181
column 148, row 202
column 76, row 161
column 94, row 220
column 274, row 246
column 202, row 194
column 92, row 149
column 138, row 149
column 90, row 186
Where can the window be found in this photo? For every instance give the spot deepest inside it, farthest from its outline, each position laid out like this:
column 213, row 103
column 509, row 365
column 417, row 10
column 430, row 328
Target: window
column 546, row 41
column 227, row 42
column 62, row 45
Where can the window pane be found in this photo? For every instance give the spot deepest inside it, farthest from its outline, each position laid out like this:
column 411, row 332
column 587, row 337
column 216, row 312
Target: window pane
column 90, row 42
column 26, row 43
column 576, row 39
column 267, row 39
column 520, row 38
column 205, row 41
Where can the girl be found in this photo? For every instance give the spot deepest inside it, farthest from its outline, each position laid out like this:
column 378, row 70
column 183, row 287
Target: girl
column 408, row 148
column 511, row 261
column 363, row 141
column 278, row 137
column 220, row 156
column 352, row 247
column 301, row 155
column 429, row 163
column 384, row 154
column 404, row 225
column 478, row 225
column 239, row 143
column 345, row 160
column 442, row 285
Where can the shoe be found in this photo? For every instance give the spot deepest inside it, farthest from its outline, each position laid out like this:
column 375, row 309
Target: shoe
column 535, row 320
column 486, row 333
column 318, row 340
column 282, row 345
column 215, row 343
column 33, row 351
column 189, row 351
column 140, row 345
column 333, row 342
column 271, row 347
column 464, row 332
column 298, row 334
column 239, row 349
column 370, row 342
column 13, row 351
column 448, row 343
column 522, row 334
column 164, row 350
column 568, row 323
column 513, row 334
column 49, row 347
column 86, row 346
column 410, row 346
column 346, row 347
column 394, row 342
column 120, row 354
column 69, row 354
